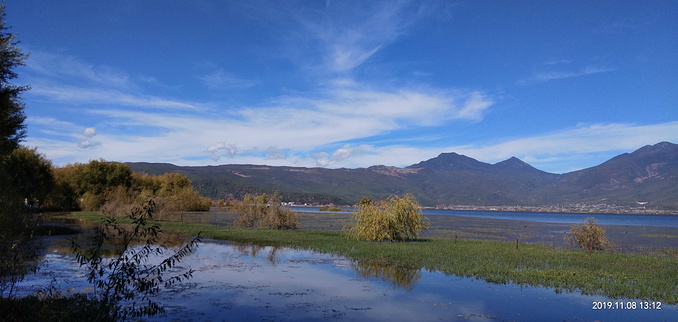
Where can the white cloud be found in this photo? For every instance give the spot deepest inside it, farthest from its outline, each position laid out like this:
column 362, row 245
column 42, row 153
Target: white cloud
column 559, row 151
column 86, row 144
column 323, row 159
column 230, row 149
column 274, row 153
column 89, row 132
column 285, row 130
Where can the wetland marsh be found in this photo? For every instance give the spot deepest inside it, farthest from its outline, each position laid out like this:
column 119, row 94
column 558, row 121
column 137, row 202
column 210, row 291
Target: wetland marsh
column 315, row 274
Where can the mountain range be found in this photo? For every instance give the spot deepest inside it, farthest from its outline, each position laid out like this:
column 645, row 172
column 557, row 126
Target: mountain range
column 647, row 176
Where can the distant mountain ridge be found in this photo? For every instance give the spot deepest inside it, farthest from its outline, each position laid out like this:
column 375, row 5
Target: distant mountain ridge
column 646, row 176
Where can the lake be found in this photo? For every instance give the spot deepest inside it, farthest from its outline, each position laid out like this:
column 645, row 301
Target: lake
column 546, row 217
column 242, row 282
column 631, row 233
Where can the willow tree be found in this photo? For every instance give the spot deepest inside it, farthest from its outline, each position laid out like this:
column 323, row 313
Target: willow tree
column 394, row 219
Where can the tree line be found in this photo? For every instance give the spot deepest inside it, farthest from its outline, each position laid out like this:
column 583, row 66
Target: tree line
column 106, row 186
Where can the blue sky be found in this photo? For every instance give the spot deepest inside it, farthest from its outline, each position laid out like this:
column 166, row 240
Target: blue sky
column 562, row 85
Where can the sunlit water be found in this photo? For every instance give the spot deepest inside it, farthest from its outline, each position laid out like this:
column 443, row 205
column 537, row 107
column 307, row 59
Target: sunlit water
column 250, row 283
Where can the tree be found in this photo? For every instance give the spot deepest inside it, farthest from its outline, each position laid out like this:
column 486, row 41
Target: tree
column 91, row 183
column 395, row 219
column 12, row 127
column 16, row 238
column 588, row 235
column 124, row 285
column 31, row 174
column 265, row 211
column 17, row 247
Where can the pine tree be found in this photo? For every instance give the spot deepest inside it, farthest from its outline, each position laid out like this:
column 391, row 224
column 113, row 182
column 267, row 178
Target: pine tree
column 12, row 127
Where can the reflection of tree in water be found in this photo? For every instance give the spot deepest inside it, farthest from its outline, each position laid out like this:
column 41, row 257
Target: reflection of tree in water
column 254, row 250
column 398, row 275
column 115, row 241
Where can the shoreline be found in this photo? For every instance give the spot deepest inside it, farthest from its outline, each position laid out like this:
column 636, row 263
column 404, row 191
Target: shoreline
column 543, row 209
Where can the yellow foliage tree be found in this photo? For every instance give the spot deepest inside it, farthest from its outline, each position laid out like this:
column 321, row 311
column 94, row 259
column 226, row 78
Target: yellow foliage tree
column 265, row 211
column 589, row 235
column 394, row 219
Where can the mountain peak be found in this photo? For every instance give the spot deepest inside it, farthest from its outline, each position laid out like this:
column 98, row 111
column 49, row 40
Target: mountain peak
column 515, row 164
column 451, row 161
column 512, row 163
column 661, row 147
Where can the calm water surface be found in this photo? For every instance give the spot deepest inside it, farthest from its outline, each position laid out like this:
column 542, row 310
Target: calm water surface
column 237, row 282
column 559, row 218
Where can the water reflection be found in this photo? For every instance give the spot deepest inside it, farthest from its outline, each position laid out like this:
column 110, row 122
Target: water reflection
column 254, row 250
column 249, row 282
column 398, row 275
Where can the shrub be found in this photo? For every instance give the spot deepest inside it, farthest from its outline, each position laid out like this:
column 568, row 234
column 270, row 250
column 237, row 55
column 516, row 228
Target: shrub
column 588, row 235
column 125, row 284
column 264, row 211
column 395, row 219
column 330, row 208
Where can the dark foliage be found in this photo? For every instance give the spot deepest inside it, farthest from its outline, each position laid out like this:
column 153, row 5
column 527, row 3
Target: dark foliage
column 56, row 308
column 12, row 127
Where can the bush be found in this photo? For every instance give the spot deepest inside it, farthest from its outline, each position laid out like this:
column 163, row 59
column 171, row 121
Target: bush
column 588, row 235
column 395, row 219
column 330, row 208
column 264, row 211
column 124, row 285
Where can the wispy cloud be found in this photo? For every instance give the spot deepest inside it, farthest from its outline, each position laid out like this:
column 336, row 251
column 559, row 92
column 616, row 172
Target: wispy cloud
column 70, row 69
column 324, row 159
column 219, row 79
column 351, row 34
column 589, row 70
column 83, row 95
column 546, row 76
column 63, row 78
